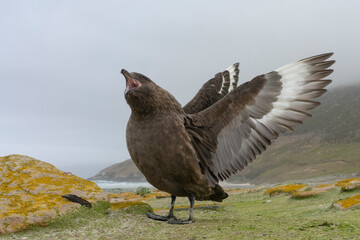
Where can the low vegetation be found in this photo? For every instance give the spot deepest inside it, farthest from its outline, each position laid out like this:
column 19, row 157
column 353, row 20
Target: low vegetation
column 142, row 191
column 244, row 215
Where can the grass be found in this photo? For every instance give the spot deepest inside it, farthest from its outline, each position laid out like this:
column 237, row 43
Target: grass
column 243, row 216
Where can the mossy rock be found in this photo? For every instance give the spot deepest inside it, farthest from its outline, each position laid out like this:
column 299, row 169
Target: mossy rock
column 325, row 187
column 306, row 194
column 347, row 203
column 289, row 188
column 134, row 207
column 31, row 190
column 350, row 184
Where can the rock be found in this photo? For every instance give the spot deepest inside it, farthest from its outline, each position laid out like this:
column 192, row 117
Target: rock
column 306, row 194
column 124, row 197
column 12, row 223
column 156, row 194
column 325, row 186
column 286, row 189
column 347, row 203
column 131, row 197
column 30, row 192
column 348, row 184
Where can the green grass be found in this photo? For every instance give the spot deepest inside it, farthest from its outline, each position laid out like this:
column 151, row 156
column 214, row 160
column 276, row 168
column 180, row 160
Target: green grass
column 245, row 216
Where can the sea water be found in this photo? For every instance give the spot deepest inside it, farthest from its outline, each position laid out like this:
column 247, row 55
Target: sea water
column 123, row 185
column 134, row 185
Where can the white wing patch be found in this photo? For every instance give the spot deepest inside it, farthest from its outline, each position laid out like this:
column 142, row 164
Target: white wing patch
column 230, row 84
column 234, row 76
column 301, row 83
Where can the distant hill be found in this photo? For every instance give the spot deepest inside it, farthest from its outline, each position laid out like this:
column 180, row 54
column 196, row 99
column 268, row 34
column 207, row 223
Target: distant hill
column 337, row 119
column 125, row 171
column 301, row 157
column 326, row 144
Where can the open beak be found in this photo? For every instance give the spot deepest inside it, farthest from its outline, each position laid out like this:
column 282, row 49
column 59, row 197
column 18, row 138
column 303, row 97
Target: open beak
column 131, row 83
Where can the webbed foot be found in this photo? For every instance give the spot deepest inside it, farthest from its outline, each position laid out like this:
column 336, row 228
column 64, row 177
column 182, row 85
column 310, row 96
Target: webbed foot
column 170, row 218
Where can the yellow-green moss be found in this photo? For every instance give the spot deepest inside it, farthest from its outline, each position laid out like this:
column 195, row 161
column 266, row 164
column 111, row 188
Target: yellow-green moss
column 348, row 203
column 348, row 184
column 130, row 196
column 285, row 189
column 125, row 195
column 306, row 194
column 325, row 186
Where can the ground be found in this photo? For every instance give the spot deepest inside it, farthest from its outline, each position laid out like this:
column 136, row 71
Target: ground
column 252, row 215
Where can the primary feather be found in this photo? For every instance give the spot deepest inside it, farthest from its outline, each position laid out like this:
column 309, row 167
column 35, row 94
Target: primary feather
column 214, row 89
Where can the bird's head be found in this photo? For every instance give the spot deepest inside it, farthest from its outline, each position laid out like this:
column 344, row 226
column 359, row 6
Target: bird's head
column 134, row 81
column 143, row 95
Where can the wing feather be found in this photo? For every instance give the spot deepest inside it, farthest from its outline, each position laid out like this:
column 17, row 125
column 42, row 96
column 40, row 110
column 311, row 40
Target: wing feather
column 214, row 89
column 249, row 118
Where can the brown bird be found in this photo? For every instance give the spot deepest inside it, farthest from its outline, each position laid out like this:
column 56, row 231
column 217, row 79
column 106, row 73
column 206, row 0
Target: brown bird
column 187, row 151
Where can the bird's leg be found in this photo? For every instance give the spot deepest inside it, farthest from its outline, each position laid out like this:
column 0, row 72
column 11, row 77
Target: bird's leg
column 190, row 220
column 171, row 211
column 164, row 218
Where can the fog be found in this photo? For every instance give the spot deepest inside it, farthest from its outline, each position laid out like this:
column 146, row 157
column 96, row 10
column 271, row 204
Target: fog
column 61, row 95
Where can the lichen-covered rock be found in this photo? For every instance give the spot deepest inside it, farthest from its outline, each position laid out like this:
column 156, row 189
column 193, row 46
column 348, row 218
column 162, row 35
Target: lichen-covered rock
column 130, row 196
column 348, row 203
column 156, row 194
column 30, row 192
column 123, row 197
column 325, row 186
column 348, row 184
column 306, row 194
column 286, row 189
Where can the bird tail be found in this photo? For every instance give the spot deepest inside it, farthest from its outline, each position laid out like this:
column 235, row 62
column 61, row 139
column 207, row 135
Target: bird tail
column 219, row 194
column 76, row 199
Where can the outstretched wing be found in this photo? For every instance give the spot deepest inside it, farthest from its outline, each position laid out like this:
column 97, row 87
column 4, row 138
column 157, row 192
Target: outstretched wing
column 229, row 134
column 214, row 89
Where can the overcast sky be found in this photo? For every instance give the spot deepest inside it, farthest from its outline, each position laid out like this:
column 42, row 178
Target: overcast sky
column 62, row 97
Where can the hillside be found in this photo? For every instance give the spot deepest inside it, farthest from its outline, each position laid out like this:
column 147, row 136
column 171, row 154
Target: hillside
column 125, row 171
column 301, row 157
column 337, row 119
column 326, row 144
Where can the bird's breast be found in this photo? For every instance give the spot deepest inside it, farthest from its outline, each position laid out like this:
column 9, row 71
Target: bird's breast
column 162, row 149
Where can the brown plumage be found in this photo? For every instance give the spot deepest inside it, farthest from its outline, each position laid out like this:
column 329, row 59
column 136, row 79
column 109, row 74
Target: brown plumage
column 187, row 151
